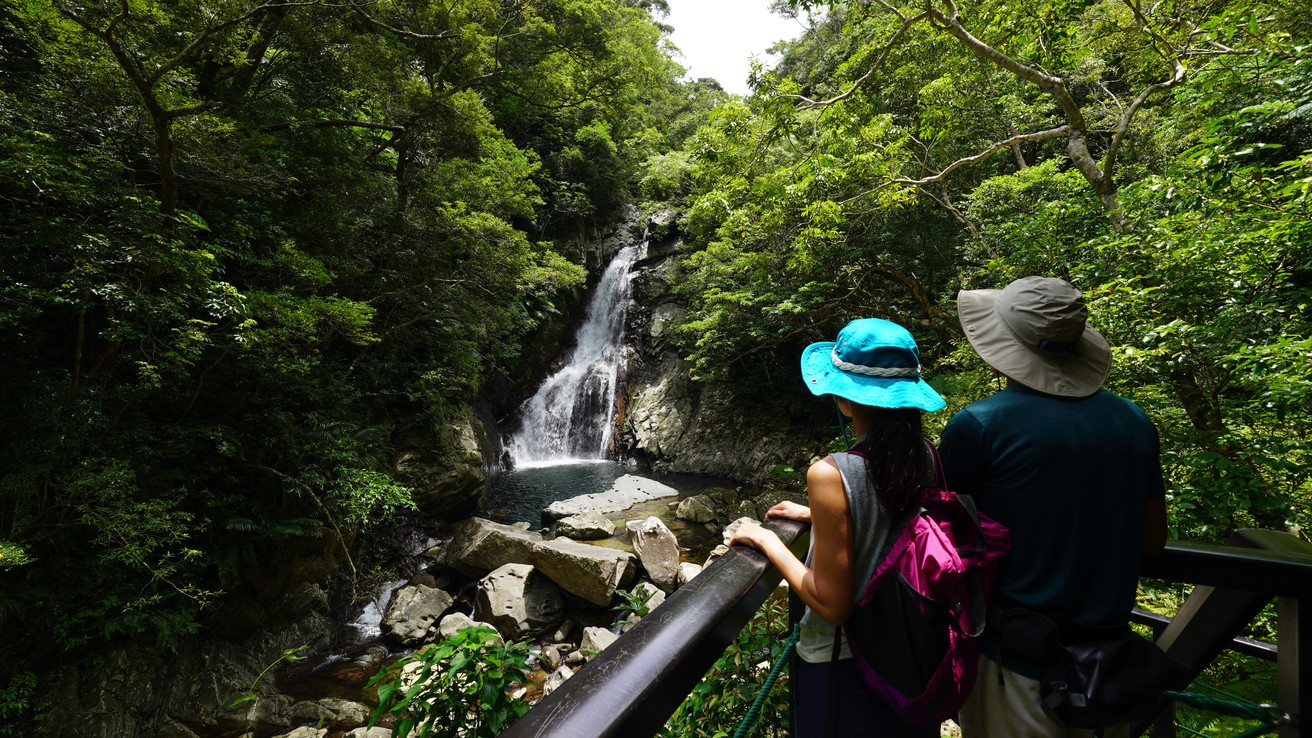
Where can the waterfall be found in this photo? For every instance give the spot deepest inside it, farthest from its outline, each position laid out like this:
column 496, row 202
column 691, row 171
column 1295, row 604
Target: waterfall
column 572, row 416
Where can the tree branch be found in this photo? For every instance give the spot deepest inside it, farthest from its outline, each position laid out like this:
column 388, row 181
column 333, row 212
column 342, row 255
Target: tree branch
column 1077, row 129
column 1123, row 127
column 444, row 35
column 907, row 23
column 990, row 151
column 343, row 123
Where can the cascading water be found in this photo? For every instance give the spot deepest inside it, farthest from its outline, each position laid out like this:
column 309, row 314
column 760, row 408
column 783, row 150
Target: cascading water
column 571, row 417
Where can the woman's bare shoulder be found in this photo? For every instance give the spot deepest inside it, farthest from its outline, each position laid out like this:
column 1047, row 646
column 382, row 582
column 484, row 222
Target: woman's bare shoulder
column 824, row 470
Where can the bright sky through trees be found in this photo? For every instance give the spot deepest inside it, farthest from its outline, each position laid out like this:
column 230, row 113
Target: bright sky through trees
column 719, row 37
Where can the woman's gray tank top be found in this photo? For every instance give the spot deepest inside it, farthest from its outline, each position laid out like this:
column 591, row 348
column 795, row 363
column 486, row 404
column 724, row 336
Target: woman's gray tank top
column 869, row 537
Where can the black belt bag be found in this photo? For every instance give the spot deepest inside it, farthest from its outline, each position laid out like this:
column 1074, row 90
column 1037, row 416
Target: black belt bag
column 1091, row 677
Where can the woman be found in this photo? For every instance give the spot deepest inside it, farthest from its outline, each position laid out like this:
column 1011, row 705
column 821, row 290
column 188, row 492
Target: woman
column 873, row 373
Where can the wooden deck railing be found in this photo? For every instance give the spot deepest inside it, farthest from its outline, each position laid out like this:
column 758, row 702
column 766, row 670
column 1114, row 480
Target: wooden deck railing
column 633, row 686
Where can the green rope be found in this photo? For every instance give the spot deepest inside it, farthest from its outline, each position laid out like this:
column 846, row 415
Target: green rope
column 754, row 712
column 1222, row 692
column 1269, row 717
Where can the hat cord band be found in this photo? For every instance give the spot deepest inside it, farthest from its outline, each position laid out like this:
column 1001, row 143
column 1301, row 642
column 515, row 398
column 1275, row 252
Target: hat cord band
column 1057, row 347
column 874, row 371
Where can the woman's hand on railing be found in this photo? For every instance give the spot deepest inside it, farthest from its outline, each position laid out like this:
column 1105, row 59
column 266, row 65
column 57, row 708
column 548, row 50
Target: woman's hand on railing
column 789, row 511
column 752, row 534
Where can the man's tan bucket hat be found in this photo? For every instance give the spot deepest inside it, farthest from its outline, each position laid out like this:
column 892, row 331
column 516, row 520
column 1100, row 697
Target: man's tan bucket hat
column 1035, row 331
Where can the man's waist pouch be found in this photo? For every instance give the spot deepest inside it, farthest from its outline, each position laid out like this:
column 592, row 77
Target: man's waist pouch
column 1033, row 637
column 1091, row 677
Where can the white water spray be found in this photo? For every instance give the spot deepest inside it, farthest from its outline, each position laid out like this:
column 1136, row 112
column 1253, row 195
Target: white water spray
column 572, row 416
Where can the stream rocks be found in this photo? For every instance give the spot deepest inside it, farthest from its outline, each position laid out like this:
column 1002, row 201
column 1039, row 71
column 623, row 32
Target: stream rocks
column 585, row 526
column 657, row 550
column 519, row 602
column 413, row 612
column 590, row 572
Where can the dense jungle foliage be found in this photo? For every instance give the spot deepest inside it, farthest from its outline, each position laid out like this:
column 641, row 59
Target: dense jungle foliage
column 247, row 247
column 1159, row 157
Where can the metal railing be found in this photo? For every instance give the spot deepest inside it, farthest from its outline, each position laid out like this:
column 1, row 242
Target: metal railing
column 1233, row 583
column 631, row 688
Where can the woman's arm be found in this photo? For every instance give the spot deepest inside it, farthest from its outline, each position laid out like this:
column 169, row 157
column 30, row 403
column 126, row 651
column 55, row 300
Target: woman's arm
column 828, row 588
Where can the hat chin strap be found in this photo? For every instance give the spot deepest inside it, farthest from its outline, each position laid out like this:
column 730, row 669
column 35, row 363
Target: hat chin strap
column 892, row 372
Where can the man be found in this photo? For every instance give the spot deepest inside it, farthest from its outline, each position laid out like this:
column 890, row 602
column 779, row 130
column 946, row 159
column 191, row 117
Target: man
column 1070, row 468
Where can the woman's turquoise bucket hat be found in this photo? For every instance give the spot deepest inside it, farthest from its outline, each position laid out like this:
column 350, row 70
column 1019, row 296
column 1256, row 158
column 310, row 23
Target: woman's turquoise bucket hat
column 875, row 362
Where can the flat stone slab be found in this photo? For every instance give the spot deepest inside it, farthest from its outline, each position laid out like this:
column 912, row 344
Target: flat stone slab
column 626, row 492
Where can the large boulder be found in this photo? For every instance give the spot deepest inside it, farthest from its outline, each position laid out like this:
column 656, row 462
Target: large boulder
column 479, row 546
column 586, row 526
column 657, row 549
column 413, row 613
column 519, row 602
column 697, row 509
column 623, row 494
column 590, row 572
column 688, row 570
column 458, row 621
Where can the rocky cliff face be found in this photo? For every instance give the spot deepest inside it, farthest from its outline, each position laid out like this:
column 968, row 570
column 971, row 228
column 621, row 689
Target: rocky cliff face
column 675, row 424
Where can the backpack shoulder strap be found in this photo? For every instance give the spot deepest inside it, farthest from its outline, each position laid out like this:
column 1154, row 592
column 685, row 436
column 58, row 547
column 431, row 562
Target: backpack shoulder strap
column 938, row 464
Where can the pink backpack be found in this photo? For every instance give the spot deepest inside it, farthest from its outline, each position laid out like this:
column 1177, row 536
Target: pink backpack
column 914, row 634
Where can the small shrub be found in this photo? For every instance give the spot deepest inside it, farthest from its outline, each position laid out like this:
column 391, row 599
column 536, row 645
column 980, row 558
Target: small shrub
column 633, row 601
column 461, row 687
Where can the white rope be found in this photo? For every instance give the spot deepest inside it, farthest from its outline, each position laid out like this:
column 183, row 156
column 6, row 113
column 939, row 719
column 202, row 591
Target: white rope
column 874, row 371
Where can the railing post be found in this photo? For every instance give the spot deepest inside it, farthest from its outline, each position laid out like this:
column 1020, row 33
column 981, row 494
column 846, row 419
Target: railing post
column 1294, row 657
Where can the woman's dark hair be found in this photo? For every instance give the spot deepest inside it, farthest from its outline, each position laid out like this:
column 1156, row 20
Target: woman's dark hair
column 897, row 458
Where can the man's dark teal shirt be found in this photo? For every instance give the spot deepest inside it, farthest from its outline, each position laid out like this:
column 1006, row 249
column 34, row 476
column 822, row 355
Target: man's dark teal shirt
column 1070, row 478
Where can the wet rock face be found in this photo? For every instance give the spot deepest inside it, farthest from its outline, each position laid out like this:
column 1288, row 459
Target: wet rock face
column 717, row 428
column 447, row 472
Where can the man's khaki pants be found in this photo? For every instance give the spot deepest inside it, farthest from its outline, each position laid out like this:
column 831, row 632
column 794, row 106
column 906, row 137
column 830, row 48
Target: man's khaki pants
column 1014, row 709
